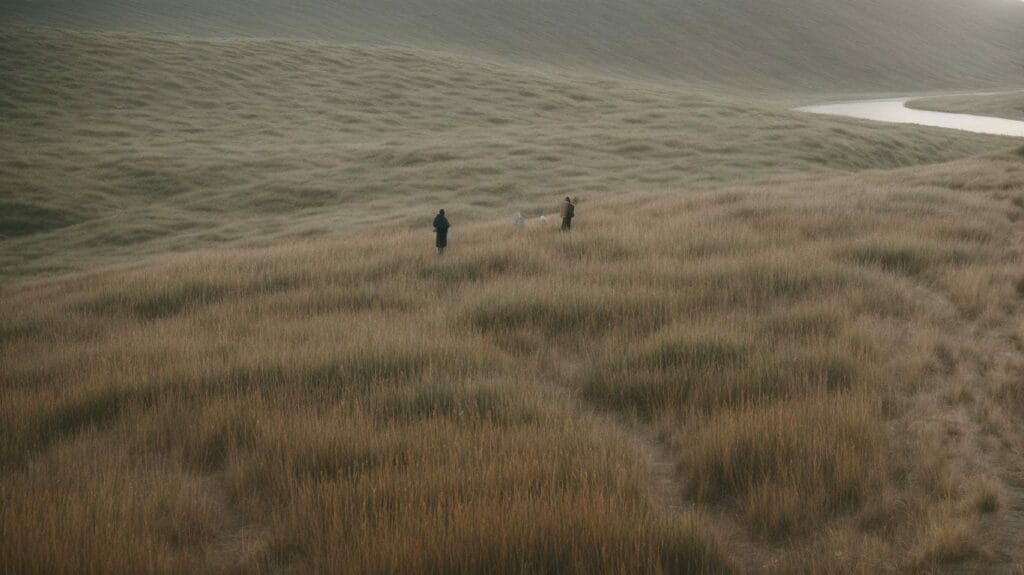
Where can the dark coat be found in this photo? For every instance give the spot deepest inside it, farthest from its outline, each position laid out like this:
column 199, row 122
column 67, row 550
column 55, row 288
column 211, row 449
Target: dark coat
column 568, row 211
column 441, row 226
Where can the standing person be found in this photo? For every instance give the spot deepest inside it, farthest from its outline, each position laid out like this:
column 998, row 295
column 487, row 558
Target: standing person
column 441, row 226
column 568, row 212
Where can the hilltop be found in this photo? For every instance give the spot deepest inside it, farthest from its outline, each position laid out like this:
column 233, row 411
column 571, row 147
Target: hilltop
column 779, row 45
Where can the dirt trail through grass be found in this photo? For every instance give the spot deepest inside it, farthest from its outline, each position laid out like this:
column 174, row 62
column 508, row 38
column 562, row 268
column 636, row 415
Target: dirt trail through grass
column 968, row 445
column 971, row 410
column 969, row 413
column 809, row 376
column 994, row 437
column 994, row 440
column 235, row 548
column 666, row 485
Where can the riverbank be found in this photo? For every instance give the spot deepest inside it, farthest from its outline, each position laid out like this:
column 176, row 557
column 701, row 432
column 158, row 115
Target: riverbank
column 896, row 110
column 1005, row 105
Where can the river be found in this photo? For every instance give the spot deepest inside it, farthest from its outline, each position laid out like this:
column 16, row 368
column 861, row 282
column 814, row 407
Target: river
column 895, row 110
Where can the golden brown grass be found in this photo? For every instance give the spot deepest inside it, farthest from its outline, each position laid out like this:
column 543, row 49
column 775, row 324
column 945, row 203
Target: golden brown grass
column 364, row 405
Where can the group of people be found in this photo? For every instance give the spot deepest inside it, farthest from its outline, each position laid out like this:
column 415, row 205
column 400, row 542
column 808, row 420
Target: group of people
column 441, row 224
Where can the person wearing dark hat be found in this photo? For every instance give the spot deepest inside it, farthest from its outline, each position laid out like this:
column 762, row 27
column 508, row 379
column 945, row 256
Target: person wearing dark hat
column 568, row 211
column 441, row 226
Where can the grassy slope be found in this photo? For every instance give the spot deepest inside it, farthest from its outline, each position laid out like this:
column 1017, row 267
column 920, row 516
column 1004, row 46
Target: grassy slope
column 356, row 404
column 1001, row 105
column 120, row 145
column 787, row 45
column 820, row 376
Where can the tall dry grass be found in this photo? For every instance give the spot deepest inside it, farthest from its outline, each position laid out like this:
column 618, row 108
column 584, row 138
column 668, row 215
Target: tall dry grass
column 364, row 405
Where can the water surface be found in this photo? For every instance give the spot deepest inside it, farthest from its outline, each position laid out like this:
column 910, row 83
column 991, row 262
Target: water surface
column 895, row 110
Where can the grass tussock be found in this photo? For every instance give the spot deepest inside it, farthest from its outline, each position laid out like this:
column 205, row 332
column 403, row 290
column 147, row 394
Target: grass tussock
column 748, row 455
column 365, row 405
column 948, row 542
column 985, row 496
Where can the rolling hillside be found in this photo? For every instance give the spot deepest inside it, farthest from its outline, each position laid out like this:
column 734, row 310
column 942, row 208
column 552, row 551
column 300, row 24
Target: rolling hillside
column 782, row 45
column 998, row 105
column 816, row 377
column 774, row 342
column 121, row 145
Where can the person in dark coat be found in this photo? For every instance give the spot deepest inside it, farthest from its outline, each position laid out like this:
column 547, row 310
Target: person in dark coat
column 441, row 226
column 568, row 212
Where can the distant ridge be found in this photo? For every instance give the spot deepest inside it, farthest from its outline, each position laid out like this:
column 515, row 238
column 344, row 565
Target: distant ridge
column 778, row 45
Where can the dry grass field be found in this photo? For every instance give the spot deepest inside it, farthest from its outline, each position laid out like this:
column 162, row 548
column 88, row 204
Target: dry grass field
column 774, row 342
column 999, row 105
column 818, row 375
column 121, row 145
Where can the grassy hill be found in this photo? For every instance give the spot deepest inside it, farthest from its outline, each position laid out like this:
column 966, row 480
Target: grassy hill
column 775, row 342
column 122, row 145
column 998, row 105
column 782, row 45
column 818, row 376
